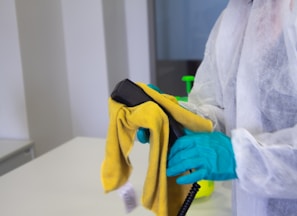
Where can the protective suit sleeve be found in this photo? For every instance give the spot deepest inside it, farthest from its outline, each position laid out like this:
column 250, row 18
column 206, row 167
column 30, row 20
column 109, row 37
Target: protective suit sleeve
column 267, row 163
column 211, row 112
column 205, row 98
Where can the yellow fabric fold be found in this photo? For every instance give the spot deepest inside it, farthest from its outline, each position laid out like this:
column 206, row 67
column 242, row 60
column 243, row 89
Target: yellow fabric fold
column 160, row 194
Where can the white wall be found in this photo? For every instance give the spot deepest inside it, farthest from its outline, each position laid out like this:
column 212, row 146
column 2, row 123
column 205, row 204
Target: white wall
column 106, row 41
column 13, row 116
column 67, row 67
column 45, row 75
column 127, row 40
column 115, row 41
column 86, row 66
column 138, row 41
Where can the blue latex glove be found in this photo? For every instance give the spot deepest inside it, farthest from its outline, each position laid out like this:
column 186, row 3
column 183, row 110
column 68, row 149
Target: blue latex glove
column 210, row 156
column 143, row 134
column 155, row 88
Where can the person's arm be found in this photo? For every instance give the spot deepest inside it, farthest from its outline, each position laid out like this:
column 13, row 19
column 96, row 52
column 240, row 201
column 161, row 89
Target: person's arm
column 267, row 163
column 206, row 98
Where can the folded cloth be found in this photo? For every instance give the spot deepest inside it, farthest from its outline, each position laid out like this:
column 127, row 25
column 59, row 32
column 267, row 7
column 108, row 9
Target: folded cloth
column 160, row 194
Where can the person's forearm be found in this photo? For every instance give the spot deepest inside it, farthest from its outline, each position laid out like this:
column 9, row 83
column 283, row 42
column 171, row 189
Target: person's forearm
column 265, row 165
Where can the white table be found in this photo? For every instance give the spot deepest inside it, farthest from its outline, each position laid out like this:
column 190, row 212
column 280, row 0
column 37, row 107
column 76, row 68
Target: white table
column 66, row 182
column 14, row 153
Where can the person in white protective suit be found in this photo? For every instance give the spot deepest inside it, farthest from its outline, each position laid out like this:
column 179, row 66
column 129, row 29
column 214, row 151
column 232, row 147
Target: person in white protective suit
column 247, row 85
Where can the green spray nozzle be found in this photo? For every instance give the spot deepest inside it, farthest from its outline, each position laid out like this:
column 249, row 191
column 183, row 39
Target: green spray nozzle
column 188, row 79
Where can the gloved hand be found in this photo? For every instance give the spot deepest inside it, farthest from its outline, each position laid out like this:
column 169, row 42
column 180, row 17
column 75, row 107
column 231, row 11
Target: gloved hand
column 210, row 156
column 143, row 134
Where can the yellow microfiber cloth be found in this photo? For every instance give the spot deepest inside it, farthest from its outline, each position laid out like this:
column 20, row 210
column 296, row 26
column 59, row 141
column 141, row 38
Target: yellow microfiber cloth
column 160, row 194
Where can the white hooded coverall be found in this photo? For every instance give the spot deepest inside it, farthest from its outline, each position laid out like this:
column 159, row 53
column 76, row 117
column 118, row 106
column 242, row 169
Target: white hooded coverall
column 247, row 85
